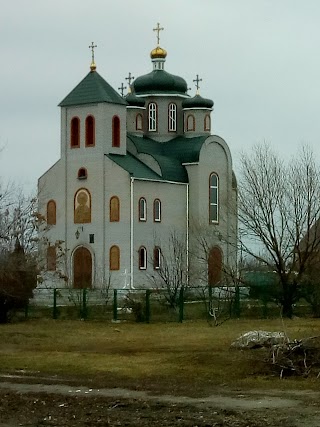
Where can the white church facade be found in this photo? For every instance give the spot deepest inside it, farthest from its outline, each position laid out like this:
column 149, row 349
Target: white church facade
column 135, row 170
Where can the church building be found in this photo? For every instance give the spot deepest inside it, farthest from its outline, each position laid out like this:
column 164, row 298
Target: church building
column 135, row 170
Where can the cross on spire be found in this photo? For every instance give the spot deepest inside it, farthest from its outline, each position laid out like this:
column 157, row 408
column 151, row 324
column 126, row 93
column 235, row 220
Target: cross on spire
column 197, row 81
column 129, row 78
column 158, row 29
column 122, row 88
column 93, row 65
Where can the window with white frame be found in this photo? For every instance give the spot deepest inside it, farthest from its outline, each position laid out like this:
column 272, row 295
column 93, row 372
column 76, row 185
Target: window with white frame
column 156, row 258
column 213, row 198
column 142, row 258
column 172, row 116
column 157, row 210
column 142, row 209
column 152, row 110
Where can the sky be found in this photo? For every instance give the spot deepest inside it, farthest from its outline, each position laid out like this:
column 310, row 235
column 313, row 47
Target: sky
column 258, row 59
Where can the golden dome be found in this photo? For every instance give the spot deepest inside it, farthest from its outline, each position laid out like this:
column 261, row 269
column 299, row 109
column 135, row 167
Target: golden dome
column 93, row 66
column 158, row 52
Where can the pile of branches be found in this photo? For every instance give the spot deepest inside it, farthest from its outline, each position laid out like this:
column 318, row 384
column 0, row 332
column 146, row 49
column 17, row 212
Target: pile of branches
column 299, row 357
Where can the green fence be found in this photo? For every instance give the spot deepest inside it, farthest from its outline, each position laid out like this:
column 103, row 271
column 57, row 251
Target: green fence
column 152, row 305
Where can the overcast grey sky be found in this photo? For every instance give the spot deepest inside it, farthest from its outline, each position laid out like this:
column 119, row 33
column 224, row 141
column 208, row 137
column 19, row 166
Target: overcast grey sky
column 259, row 61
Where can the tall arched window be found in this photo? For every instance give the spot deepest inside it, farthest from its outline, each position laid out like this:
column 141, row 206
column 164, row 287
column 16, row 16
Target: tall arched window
column 82, row 207
column 142, row 209
column 114, row 209
column 51, row 258
column 213, row 198
column 191, row 123
column 142, row 258
column 114, row 258
column 75, row 132
column 157, row 210
column 90, row 131
column 51, row 212
column 139, row 122
column 172, row 117
column 152, row 114
column 207, row 122
column 115, row 131
column 214, row 266
column 156, row 258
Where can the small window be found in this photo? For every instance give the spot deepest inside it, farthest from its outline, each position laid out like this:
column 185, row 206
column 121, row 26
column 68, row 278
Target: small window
column 90, row 131
column 142, row 258
column 213, row 198
column 152, row 110
column 157, row 210
column 207, row 122
column 114, row 258
column 75, row 132
column 172, row 117
column 91, row 238
column 51, row 258
column 139, row 122
column 115, row 131
column 142, row 209
column 51, row 213
column 114, row 209
column 190, row 123
column 156, row 258
column 82, row 173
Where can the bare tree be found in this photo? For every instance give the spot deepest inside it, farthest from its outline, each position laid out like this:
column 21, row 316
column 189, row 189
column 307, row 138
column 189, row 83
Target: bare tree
column 279, row 215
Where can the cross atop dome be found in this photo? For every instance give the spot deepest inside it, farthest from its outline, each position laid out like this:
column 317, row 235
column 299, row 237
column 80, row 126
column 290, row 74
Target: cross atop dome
column 158, row 29
column 93, row 65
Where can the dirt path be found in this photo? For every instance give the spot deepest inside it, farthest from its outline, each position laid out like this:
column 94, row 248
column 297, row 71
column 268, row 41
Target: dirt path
column 24, row 404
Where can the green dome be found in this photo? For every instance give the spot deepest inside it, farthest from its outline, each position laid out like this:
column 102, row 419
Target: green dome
column 197, row 102
column 159, row 81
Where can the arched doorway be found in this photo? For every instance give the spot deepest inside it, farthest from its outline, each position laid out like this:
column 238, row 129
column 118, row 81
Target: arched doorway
column 82, row 268
column 214, row 266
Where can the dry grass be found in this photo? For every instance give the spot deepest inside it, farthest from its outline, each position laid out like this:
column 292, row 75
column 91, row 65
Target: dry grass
column 190, row 357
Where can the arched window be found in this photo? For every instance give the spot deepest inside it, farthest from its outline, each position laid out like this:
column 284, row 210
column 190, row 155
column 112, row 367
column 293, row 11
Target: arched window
column 142, row 209
column 90, row 131
column 82, row 207
column 75, row 132
column 191, row 123
column 207, row 122
column 139, row 122
column 157, row 210
column 152, row 114
column 51, row 212
column 172, row 117
column 156, row 258
column 142, row 258
column 82, row 173
column 115, row 131
column 51, row 258
column 114, row 258
column 114, row 209
column 213, row 198
column 214, row 266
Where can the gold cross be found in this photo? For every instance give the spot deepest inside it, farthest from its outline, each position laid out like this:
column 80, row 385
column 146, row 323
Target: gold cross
column 158, row 29
column 92, row 46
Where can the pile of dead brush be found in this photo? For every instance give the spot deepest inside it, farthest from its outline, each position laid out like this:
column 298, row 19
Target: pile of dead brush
column 299, row 357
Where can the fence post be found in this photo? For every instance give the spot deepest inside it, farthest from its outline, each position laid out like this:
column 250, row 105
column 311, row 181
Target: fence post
column 84, row 313
column 181, row 304
column 55, row 311
column 148, row 292
column 115, row 305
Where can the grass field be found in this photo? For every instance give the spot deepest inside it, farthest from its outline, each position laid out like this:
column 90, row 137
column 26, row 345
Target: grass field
column 193, row 357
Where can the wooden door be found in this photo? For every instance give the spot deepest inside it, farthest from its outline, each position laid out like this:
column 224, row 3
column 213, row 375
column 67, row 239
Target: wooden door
column 82, row 268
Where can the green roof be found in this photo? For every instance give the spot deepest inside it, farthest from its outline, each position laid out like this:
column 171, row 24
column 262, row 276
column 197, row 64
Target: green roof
column 160, row 81
column 134, row 166
column 171, row 154
column 92, row 89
